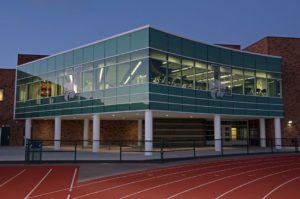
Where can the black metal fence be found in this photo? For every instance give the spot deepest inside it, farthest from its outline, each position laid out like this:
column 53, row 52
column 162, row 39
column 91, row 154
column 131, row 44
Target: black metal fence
column 162, row 150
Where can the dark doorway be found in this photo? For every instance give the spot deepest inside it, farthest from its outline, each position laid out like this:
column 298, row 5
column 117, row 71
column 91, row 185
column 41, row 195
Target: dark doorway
column 5, row 136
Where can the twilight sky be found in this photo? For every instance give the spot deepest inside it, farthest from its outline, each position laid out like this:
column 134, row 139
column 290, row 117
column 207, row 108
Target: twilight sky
column 51, row 26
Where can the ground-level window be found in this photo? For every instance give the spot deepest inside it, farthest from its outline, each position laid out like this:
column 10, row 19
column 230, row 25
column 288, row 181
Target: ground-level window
column 1, row 95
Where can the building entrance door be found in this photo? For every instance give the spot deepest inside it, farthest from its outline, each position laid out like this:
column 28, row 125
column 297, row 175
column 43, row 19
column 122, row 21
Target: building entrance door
column 5, row 136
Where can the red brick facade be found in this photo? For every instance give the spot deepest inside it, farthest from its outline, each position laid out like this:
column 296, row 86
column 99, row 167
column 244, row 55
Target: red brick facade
column 73, row 129
column 7, row 107
column 289, row 50
column 25, row 58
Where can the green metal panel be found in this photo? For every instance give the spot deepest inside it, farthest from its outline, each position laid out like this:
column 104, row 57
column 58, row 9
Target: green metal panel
column 88, row 54
column 140, row 39
column 201, row 51
column 237, row 58
column 78, row 56
column 158, row 39
column 69, row 59
column 213, row 54
column 188, row 48
column 59, row 61
column 110, row 47
column 249, row 61
column 99, row 51
column 123, row 43
column 175, row 107
column 225, row 56
column 174, row 44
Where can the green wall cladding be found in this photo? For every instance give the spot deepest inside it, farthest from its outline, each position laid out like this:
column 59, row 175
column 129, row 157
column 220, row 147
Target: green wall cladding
column 196, row 101
column 174, row 44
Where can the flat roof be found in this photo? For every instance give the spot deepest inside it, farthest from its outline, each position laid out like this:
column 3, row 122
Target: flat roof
column 141, row 28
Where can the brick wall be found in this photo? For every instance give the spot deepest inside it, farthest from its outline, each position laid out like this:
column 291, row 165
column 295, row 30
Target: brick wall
column 25, row 58
column 73, row 130
column 289, row 50
column 7, row 107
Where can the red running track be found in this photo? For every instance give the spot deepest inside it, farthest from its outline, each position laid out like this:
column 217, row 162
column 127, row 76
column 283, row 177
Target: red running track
column 18, row 182
column 257, row 177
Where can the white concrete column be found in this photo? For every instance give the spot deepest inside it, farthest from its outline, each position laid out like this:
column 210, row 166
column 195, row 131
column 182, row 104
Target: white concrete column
column 27, row 130
column 217, row 132
column 85, row 132
column 148, row 132
column 140, row 132
column 57, row 133
column 277, row 133
column 262, row 130
column 96, row 133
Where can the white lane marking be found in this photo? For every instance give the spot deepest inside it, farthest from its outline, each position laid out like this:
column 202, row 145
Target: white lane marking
column 247, row 160
column 10, row 179
column 279, row 186
column 188, row 178
column 145, row 172
column 72, row 183
column 257, row 179
column 134, row 182
column 38, row 184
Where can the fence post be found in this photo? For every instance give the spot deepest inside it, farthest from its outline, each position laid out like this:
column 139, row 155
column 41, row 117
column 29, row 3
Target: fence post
column 248, row 146
column 296, row 145
column 161, row 150
column 75, row 152
column 120, row 151
column 194, row 148
column 272, row 146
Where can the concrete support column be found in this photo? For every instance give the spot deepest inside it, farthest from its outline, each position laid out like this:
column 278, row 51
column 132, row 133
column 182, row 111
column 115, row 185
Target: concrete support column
column 57, row 133
column 140, row 132
column 96, row 133
column 27, row 129
column 262, row 130
column 217, row 132
column 85, row 132
column 277, row 126
column 148, row 132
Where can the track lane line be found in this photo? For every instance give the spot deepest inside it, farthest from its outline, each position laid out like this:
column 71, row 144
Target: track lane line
column 257, row 179
column 10, row 179
column 191, row 165
column 188, row 178
column 36, row 186
column 166, row 168
column 72, row 183
column 134, row 182
column 217, row 180
column 279, row 186
column 250, row 160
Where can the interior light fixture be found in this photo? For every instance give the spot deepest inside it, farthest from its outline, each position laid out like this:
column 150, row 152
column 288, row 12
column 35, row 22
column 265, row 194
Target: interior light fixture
column 126, row 81
column 113, row 115
column 100, row 74
column 136, row 67
column 290, row 122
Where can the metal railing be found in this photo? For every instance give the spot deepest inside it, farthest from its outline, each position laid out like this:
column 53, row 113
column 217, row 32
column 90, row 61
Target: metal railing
column 160, row 150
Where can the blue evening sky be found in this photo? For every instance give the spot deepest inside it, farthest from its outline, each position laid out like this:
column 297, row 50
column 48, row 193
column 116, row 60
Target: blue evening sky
column 51, row 26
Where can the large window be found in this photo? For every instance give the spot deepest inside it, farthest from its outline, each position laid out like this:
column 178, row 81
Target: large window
column 174, row 71
column 139, row 71
column 34, row 91
column 261, row 83
column 225, row 79
column 200, row 75
column 110, row 76
column 1, row 95
column 23, row 93
column 158, row 71
column 124, row 74
column 274, row 85
column 188, row 71
column 249, row 82
column 237, row 81
column 99, row 76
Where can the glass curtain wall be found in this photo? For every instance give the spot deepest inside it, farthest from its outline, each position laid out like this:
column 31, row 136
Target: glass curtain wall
column 237, row 81
column 249, row 82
